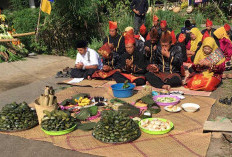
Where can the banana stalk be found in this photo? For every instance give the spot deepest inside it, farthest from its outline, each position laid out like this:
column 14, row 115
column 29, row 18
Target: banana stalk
column 46, row 100
column 51, row 100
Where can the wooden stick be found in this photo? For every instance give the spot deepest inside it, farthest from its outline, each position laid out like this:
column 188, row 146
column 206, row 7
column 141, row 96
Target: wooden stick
column 23, row 34
column 8, row 40
column 37, row 28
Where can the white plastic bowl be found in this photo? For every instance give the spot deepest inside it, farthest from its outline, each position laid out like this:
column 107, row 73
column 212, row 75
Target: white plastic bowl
column 190, row 107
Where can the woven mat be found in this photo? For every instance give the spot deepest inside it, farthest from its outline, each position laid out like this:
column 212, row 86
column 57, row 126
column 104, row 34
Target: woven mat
column 186, row 139
column 185, row 90
column 85, row 83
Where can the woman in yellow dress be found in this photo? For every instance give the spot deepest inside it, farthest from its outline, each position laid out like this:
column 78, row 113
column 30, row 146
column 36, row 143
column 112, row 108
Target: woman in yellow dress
column 209, row 64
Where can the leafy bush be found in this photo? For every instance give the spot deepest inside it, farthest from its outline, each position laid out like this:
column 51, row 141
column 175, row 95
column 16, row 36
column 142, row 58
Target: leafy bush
column 70, row 21
column 173, row 19
column 72, row 53
column 19, row 4
column 95, row 43
column 213, row 13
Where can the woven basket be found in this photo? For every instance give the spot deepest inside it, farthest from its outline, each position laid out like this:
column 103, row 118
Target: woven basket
column 40, row 109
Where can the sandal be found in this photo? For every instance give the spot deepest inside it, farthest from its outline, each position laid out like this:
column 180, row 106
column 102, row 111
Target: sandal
column 59, row 74
column 226, row 100
column 226, row 76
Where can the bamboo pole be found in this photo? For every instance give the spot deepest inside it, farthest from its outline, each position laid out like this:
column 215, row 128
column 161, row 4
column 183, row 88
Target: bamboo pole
column 37, row 28
column 23, row 34
column 8, row 40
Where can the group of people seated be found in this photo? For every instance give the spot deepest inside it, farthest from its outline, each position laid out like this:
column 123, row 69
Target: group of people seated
column 156, row 56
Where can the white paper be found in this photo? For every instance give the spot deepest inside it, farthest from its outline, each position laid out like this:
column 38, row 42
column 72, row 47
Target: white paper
column 76, row 80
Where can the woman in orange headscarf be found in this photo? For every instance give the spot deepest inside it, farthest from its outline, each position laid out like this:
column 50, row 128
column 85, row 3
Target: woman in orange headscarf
column 194, row 44
column 209, row 64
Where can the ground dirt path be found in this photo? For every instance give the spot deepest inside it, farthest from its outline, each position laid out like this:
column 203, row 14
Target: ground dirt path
column 21, row 73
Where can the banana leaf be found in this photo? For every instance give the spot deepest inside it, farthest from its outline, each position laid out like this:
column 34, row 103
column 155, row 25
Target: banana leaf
column 67, row 102
column 93, row 110
column 77, row 96
column 116, row 100
column 129, row 109
column 87, row 126
column 83, row 114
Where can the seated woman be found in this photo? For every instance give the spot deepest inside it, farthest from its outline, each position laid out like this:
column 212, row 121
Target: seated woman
column 111, row 63
column 132, row 63
column 165, row 71
column 223, row 35
column 209, row 65
column 87, row 61
column 194, row 44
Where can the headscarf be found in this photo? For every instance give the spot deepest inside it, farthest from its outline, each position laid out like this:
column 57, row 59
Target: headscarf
column 209, row 41
column 194, row 43
column 221, row 33
column 155, row 18
column 129, row 39
column 143, row 29
column 209, row 23
column 163, row 23
column 227, row 27
column 113, row 25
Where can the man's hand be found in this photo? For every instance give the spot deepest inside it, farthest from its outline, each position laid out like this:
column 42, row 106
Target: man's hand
column 129, row 62
column 106, row 68
column 152, row 68
column 79, row 65
column 111, row 45
column 154, row 48
column 136, row 12
column 147, row 49
column 165, row 52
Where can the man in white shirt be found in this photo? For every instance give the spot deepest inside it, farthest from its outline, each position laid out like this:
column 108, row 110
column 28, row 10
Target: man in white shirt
column 87, row 61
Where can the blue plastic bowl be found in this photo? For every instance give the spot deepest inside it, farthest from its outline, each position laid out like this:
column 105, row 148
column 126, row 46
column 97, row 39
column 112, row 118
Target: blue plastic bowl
column 119, row 92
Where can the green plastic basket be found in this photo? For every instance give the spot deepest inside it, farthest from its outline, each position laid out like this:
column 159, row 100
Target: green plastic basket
column 59, row 132
column 156, row 132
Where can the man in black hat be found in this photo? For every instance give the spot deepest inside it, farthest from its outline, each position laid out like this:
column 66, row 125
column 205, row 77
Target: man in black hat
column 87, row 61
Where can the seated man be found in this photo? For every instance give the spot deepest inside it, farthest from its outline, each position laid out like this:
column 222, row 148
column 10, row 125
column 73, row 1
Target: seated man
column 209, row 29
column 111, row 63
column 143, row 32
column 165, row 71
column 132, row 64
column 139, row 44
column 87, row 61
column 155, row 22
column 114, row 40
column 151, row 45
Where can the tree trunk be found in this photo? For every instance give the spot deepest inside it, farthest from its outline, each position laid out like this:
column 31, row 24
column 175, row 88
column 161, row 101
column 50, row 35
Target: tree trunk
column 32, row 3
